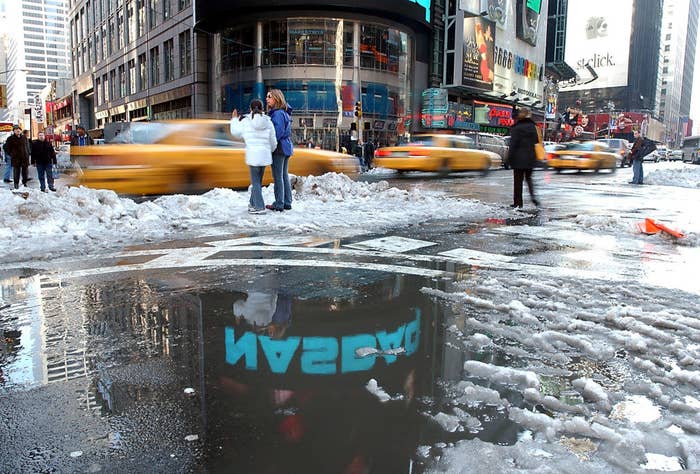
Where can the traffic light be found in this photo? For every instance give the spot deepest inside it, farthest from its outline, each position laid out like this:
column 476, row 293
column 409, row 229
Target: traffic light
column 358, row 109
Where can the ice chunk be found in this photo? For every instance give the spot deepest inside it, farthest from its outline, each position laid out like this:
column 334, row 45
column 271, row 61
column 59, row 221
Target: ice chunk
column 504, row 375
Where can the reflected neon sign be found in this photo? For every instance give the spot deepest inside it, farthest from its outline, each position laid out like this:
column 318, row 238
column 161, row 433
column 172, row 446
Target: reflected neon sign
column 319, row 355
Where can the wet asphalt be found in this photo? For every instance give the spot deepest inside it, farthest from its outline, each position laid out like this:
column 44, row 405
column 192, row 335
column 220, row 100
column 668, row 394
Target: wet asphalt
column 136, row 362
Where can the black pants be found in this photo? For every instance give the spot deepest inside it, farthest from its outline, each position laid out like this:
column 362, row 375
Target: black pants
column 518, row 176
column 25, row 174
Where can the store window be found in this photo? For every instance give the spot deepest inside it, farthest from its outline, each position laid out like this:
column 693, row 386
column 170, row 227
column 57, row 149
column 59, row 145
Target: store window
column 312, row 41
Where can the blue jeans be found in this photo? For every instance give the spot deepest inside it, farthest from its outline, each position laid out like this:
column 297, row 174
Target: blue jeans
column 45, row 173
column 8, row 169
column 256, row 197
column 283, row 190
column 637, row 172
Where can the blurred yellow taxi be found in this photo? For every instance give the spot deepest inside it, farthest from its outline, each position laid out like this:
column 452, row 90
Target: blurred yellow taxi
column 438, row 153
column 582, row 156
column 186, row 156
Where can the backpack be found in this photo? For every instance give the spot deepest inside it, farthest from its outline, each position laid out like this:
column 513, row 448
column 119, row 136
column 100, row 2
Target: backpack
column 647, row 147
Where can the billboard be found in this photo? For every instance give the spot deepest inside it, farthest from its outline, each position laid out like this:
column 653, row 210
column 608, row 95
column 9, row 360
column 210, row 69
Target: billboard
column 598, row 35
column 477, row 53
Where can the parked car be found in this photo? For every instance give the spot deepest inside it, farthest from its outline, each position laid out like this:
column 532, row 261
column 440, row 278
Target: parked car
column 620, row 146
column 676, row 155
column 494, row 143
column 592, row 155
column 438, row 153
column 654, row 156
column 186, row 156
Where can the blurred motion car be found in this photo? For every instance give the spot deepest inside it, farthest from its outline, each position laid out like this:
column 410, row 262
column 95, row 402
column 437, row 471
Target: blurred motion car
column 443, row 154
column 592, row 155
column 621, row 147
column 186, row 156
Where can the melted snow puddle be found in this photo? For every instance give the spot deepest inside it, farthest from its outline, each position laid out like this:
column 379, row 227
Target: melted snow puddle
column 637, row 409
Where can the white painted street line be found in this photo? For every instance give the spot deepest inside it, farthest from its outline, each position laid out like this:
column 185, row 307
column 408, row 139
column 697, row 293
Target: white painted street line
column 391, row 244
column 471, row 256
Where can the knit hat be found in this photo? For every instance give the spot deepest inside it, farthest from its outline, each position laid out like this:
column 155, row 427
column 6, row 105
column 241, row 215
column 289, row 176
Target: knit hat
column 15, row 127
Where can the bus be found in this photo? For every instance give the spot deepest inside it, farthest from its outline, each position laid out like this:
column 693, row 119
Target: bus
column 691, row 149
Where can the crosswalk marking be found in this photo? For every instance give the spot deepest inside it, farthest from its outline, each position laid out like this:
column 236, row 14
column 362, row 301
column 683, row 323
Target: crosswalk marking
column 392, row 244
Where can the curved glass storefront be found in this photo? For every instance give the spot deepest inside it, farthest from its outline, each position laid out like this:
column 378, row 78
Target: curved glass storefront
column 323, row 66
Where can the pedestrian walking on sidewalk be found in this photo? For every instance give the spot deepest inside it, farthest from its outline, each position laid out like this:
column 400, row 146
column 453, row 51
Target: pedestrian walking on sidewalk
column 18, row 149
column 522, row 157
column 280, row 112
column 43, row 157
column 257, row 131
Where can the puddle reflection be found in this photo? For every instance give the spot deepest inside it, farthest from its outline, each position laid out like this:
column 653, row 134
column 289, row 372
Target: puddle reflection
column 279, row 361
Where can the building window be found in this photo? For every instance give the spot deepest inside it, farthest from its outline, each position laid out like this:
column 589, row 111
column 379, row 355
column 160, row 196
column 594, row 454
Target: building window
column 142, row 72
column 121, row 33
column 130, row 24
column 104, row 41
column 238, row 50
column 167, row 9
column 155, row 66
column 105, row 88
column 98, row 92
column 168, row 60
column 122, row 81
column 113, row 91
column 185, row 41
column 141, row 16
column 182, row 4
column 132, row 77
column 112, row 38
column 153, row 13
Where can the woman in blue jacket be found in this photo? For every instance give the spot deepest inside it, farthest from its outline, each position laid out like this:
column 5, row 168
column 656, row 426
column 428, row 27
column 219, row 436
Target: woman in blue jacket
column 280, row 112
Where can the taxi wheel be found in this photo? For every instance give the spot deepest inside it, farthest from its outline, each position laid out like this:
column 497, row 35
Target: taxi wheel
column 187, row 184
column 444, row 168
column 558, row 170
column 613, row 169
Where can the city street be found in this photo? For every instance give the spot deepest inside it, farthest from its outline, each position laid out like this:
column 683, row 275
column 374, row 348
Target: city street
column 395, row 324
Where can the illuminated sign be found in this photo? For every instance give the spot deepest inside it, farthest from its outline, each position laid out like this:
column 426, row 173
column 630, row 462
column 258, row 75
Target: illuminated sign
column 319, row 355
column 425, row 4
column 598, row 35
column 528, row 20
column 497, row 115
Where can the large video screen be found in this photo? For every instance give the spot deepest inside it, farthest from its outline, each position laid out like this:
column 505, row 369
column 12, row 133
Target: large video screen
column 598, row 34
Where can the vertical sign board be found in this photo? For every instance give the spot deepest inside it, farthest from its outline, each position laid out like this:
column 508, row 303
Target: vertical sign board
column 3, row 96
column 477, row 53
column 598, row 34
column 38, row 109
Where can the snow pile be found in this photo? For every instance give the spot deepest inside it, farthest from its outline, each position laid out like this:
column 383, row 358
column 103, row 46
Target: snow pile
column 603, row 377
column 34, row 223
column 674, row 174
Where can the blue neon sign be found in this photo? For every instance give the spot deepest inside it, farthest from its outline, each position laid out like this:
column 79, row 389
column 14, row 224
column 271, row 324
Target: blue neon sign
column 425, row 4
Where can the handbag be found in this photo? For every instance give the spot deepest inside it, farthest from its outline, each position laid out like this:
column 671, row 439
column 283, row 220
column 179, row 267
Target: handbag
column 55, row 172
column 539, row 146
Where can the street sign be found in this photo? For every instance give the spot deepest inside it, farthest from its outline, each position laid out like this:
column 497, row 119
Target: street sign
column 38, row 109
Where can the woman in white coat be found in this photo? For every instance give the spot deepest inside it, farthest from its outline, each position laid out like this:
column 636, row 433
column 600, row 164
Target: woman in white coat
column 257, row 131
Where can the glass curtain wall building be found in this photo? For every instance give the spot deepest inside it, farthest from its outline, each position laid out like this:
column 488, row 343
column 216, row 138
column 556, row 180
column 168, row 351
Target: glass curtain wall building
column 325, row 60
column 312, row 61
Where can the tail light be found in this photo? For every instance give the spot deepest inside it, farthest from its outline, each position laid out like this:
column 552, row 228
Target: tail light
column 550, row 156
column 382, row 153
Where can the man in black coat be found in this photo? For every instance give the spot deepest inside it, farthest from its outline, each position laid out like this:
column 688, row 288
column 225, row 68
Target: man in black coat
column 16, row 146
column 44, row 157
column 521, row 155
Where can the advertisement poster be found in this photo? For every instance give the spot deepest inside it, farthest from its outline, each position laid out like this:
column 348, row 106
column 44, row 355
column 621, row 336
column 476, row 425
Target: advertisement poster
column 498, row 115
column 528, row 20
column 598, row 34
column 497, row 11
column 478, row 48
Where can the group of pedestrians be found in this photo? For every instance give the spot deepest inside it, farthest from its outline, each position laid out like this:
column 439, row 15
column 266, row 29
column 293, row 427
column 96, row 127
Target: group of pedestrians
column 267, row 142
column 20, row 152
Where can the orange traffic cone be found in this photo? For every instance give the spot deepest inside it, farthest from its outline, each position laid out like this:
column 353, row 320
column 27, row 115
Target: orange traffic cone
column 650, row 227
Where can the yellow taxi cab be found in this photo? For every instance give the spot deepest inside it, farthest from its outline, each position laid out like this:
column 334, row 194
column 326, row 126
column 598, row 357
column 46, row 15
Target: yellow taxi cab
column 582, row 156
column 186, row 156
column 437, row 153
